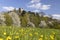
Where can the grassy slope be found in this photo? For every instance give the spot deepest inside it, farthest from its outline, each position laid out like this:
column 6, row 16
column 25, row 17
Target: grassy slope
column 18, row 33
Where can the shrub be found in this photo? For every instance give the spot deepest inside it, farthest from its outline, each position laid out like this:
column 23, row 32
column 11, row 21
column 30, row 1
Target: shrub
column 8, row 20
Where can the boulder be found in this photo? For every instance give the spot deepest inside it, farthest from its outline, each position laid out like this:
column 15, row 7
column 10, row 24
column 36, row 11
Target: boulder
column 15, row 18
column 2, row 19
column 42, row 24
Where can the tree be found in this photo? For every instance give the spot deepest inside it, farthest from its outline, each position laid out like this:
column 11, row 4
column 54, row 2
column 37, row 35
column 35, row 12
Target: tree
column 56, row 25
column 35, row 19
column 23, row 12
column 8, row 20
column 24, row 20
column 19, row 10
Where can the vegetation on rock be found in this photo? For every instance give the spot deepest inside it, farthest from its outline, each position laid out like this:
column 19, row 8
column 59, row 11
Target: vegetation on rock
column 23, row 18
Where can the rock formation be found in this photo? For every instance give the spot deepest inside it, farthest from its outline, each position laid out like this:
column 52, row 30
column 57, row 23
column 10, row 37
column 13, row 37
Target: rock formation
column 2, row 19
column 15, row 18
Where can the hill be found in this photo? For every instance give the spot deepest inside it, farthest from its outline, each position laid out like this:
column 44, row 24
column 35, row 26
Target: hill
column 23, row 18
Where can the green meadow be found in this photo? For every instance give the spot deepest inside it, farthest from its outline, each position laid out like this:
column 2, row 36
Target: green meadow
column 28, row 33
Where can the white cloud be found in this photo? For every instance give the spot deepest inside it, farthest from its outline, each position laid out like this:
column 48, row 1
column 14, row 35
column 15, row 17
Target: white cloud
column 45, row 7
column 38, row 5
column 9, row 8
column 17, row 8
column 33, row 1
column 35, row 10
column 56, row 16
column 47, row 16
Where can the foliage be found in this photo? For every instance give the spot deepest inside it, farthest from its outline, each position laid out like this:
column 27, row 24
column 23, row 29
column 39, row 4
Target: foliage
column 23, row 12
column 56, row 25
column 35, row 19
column 19, row 33
column 8, row 20
column 24, row 20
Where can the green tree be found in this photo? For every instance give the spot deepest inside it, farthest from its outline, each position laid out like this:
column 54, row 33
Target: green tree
column 23, row 13
column 56, row 25
column 19, row 10
column 35, row 19
column 8, row 20
column 24, row 20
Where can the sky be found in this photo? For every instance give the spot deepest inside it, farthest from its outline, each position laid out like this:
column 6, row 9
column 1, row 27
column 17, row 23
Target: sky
column 51, row 7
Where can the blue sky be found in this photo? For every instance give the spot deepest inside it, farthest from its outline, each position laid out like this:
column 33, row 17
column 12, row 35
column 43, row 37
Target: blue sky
column 47, row 6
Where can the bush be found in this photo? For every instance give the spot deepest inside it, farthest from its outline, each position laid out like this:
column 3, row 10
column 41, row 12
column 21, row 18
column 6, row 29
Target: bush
column 35, row 19
column 24, row 20
column 8, row 20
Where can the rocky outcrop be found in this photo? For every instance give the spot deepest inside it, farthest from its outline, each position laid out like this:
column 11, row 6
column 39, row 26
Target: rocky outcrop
column 28, row 19
column 29, row 22
column 15, row 19
column 2, row 19
column 43, row 24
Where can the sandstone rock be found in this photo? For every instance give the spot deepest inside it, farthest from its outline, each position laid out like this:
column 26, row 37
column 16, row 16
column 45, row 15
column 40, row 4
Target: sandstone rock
column 42, row 24
column 15, row 18
column 30, row 23
column 2, row 19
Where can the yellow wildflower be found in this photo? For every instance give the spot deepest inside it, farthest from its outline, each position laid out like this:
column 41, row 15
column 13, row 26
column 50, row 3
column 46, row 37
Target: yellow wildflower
column 4, row 33
column 30, row 34
column 16, row 36
column 8, row 38
column 52, row 36
column 40, row 38
column 1, row 39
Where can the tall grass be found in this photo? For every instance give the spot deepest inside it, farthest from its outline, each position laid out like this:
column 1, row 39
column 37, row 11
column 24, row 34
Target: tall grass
column 20, row 33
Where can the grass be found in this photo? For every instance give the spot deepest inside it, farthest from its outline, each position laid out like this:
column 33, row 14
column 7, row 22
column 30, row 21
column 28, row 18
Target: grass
column 19, row 33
